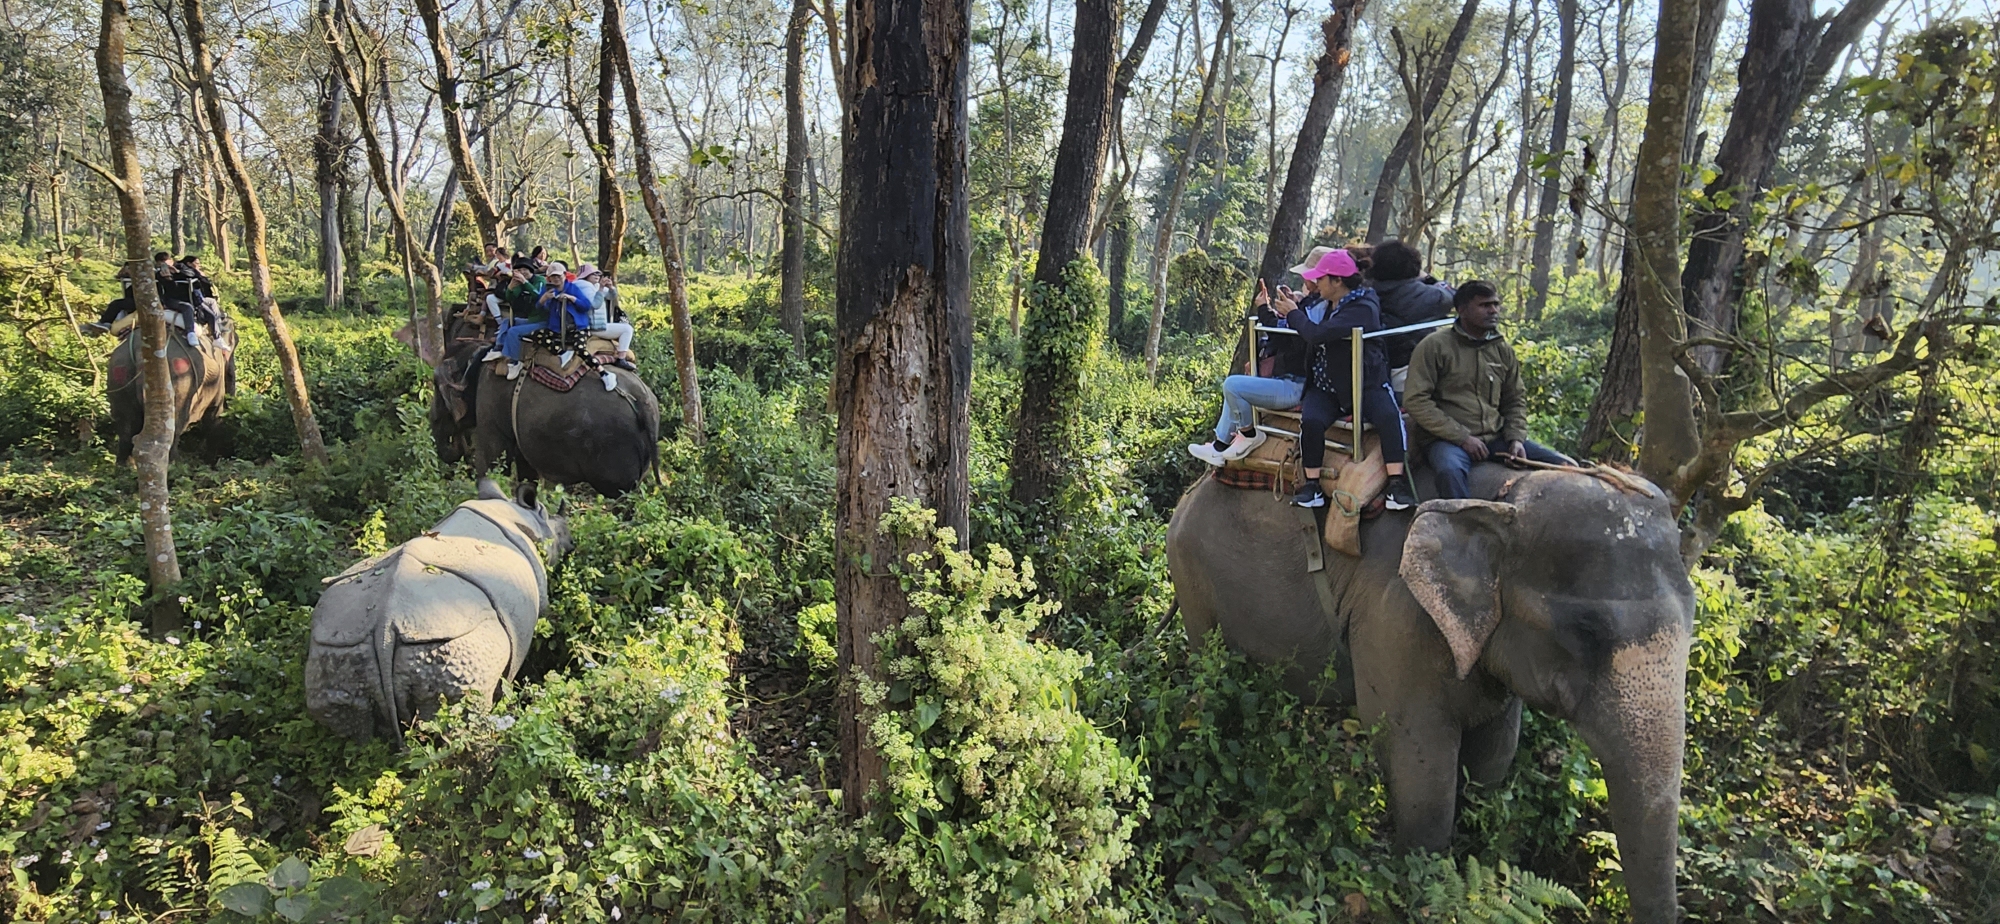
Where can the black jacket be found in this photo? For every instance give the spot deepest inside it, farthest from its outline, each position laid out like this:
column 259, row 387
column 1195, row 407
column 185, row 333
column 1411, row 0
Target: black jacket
column 1287, row 352
column 1329, row 355
column 1404, row 302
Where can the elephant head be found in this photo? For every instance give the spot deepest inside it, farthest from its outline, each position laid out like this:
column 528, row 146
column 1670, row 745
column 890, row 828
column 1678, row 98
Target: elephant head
column 1570, row 589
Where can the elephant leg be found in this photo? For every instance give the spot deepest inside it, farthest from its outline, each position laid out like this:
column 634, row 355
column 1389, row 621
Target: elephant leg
column 124, row 448
column 1487, row 749
column 1419, row 754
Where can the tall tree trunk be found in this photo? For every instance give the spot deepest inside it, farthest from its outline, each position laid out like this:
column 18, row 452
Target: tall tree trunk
column 1476, row 127
column 1121, row 87
column 1163, row 238
column 290, row 375
column 156, row 436
column 670, row 246
column 427, row 331
column 903, row 367
column 1271, row 116
column 1119, row 257
column 610, row 199
column 1672, row 438
column 1062, row 311
column 792, row 265
column 329, row 166
column 457, row 143
column 1288, row 223
column 1786, row 47
column 1545, row 211
column 1436, row 79
column 176, row 201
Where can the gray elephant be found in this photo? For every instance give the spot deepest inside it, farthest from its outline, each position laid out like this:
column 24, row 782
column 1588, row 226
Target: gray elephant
column 444, row 616
column 204, row 378
column 1563, row 590
column 587, row 435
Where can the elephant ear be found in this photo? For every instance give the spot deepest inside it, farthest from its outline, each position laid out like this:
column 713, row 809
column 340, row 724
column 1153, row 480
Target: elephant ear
column 1451, row 563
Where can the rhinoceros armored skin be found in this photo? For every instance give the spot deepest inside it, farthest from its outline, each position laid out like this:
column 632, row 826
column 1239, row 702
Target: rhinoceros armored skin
column 446, row 615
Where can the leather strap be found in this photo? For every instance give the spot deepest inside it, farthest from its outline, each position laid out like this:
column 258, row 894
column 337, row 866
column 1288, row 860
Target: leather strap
column 1316, row 560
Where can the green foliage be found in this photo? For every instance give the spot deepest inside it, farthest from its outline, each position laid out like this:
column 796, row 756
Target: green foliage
column 1435, row 890
column 1205, row 295
column 1000, row 801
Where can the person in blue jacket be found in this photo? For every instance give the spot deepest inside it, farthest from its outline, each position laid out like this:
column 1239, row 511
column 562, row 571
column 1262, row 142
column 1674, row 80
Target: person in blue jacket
column 1348, row 303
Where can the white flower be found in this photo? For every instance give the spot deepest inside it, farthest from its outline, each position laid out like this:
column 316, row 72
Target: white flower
column 65, row 858
column 482, row 885
column 444, row 893
column 587, row 844
column 124, row 688
column 197, row 623
column 27, row 861
column 612, row 879
column 102, row 825
column 502, row 722
column 542, row 918
column 617, row 913
column 104, row 915
column 531, row 854
column 102, row 855
column 173, row 640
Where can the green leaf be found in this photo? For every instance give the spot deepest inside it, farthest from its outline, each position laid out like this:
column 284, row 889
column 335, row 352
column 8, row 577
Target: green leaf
column 486, row 898
column 246, row 898
column 928, row 711
column 291, row 874
column 294, row 907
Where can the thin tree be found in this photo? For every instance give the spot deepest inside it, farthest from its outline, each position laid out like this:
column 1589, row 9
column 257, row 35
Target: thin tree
column 903, row 362
column 255, row 247
column 1430, row 84
column 1163, row 236
column 156, row 434
column 663, row 229
column 1545, row 210
column 1288, row 221
column 359, row 74
column 610, row 198
column 1062, row 323
column 329, row 147
column 457, row 141
column 792, row 264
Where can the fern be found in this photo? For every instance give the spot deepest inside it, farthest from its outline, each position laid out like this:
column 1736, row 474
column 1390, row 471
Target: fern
column 229, row 859
column 1438, row 892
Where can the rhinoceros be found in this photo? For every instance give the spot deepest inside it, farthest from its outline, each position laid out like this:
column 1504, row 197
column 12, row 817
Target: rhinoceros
column 444, row 616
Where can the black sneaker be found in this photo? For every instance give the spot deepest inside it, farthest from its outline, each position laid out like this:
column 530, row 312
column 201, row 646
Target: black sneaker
column 1309, row 495
column 1399, row 496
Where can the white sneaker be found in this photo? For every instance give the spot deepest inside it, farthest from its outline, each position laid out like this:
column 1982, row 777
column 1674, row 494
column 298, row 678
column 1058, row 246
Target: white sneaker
column 1242, row 446
column 194, row 339
column 564, row 358
column 491, row 355
column 610, row 381
column 1207, row 453
column 513, row 371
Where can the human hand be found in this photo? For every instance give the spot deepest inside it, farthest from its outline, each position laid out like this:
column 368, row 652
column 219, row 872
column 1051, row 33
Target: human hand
column 1474, row 447
column 1517, row 450
column 1263, row 295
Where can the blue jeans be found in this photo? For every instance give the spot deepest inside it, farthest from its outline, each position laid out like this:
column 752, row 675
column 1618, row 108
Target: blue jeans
column 1240, row 393
column 510, row 339
column 1452, row 465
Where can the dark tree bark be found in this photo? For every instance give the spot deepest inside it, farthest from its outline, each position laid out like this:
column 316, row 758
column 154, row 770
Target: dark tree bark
column 903, row 365
column 1163, row 238
column 1672, row 437
column 1618, row 390
column 610, row 199
column 1121, row 87
column 1062, row 309
column 1288, row 223
column 1436, row 79
column 1785, row 46
column 457, row 142
column 692, row 425
column 792, row 263
column 1545, row 211
column 1119, row 257
column 290, row 374
column 176, row 202
column 329, row 148
column 156, row 436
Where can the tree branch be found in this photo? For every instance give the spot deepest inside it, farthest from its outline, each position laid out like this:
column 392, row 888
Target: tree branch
column 1738, row 426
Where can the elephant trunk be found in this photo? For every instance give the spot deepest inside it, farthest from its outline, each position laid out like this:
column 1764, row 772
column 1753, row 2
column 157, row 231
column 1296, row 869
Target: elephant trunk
column 1636, row 729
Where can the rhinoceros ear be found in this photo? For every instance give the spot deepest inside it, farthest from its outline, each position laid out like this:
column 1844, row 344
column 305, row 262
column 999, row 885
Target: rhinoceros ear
column 527, row 495
column 1451, row 563
column 490, row 490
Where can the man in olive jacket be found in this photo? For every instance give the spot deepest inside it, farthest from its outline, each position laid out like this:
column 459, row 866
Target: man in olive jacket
column 1464, row 394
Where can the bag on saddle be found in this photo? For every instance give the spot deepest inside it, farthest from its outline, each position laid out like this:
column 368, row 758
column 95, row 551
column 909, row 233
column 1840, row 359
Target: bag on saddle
column 1351, row 486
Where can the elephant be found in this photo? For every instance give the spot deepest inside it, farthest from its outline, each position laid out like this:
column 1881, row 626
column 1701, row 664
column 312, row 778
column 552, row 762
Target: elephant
column 455, row 384
column 444, row 616
column 204, row 378
column 1561, row 589
column 587, row 435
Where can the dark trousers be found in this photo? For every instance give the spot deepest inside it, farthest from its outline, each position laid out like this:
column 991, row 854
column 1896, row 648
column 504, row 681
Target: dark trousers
column 1318, row 410
column 1452, row 465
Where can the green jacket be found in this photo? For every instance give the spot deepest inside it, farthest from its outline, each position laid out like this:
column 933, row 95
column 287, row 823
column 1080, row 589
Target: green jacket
column 524, row 299
column 1460, row 387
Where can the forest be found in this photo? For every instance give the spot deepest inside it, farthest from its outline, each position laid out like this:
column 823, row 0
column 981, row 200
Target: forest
column 931, row 301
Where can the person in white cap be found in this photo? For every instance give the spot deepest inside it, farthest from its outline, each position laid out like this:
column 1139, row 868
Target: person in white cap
column 1235, row 434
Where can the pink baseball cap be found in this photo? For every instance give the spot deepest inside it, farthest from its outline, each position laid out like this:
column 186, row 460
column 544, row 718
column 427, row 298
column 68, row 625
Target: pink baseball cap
column 1336, row 263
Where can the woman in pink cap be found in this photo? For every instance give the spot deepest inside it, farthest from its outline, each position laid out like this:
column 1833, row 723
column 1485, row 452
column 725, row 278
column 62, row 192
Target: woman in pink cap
column 1349, row 303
